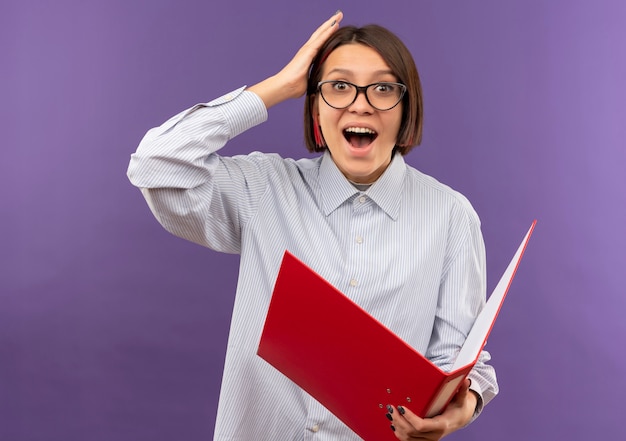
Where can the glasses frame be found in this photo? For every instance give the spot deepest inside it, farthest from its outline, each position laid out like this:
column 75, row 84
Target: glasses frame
column 363, row 90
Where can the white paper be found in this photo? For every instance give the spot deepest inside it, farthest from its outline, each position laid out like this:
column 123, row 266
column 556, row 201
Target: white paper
column 477, row 337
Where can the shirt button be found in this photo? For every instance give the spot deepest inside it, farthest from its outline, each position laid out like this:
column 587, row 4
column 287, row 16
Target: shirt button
column 362, row 199
column 359, row 239
column 353, row 282
column 315, row 428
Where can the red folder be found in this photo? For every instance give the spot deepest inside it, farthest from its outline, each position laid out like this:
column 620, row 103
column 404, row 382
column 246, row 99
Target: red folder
column 350, row 362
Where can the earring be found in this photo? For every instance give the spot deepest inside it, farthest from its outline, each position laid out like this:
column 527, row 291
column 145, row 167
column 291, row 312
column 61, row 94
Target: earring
column 317, row 134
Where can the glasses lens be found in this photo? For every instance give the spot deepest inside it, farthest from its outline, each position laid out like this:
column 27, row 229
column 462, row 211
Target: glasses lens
column 338, row 94
column 381, row 96
column 384, row 96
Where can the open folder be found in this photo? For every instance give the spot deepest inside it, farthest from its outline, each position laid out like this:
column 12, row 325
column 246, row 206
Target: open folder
column 350, row 362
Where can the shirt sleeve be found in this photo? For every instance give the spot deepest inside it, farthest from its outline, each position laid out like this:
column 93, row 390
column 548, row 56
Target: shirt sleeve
column 192, row 191
column 461, row 298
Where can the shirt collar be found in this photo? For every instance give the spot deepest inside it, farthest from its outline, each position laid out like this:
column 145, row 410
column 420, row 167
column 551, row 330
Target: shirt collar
column 386, row 192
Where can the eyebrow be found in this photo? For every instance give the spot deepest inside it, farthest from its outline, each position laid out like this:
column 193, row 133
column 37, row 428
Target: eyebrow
column 339, row 70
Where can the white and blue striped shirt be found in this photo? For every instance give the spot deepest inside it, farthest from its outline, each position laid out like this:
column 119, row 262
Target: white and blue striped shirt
column 408, row 250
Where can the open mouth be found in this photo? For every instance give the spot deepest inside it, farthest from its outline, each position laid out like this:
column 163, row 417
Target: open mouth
column 359, row 136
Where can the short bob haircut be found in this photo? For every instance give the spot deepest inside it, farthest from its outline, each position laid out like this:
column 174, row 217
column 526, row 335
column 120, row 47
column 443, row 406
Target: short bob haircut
column 401, row 63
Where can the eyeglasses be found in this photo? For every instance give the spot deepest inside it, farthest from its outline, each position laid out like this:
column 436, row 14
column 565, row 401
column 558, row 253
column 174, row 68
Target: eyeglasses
column 381, row 96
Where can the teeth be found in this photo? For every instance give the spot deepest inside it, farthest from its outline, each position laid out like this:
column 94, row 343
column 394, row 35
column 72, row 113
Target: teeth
column 360, row 130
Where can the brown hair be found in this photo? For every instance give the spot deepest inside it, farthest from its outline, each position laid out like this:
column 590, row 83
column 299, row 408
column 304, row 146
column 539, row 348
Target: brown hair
column 401, row 63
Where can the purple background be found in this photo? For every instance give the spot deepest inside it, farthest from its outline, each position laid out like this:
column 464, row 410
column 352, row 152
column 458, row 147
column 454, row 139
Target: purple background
column 112, row 329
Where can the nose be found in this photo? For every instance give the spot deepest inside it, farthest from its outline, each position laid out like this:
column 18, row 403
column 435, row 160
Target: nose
column 361, row 104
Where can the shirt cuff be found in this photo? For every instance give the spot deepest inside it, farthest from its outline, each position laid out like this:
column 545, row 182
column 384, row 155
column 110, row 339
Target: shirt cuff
column 240, row 108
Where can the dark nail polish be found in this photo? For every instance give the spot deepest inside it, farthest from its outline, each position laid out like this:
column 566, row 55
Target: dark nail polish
column 401, row 410
column 393, row 428
column 338, row 11
column 389, row 417
column 389, row 408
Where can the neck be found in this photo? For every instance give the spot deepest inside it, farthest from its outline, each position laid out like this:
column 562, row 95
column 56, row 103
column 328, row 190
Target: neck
column 361, row 186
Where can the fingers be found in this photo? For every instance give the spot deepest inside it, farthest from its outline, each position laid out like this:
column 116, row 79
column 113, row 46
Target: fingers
column 322, row 33
column 407, row 425
column 422, row 425
column 457, row 414
column 294, row 75
column 291, row 80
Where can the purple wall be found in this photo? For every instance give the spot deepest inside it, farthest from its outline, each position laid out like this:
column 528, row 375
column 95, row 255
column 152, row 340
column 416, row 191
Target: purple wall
column 111, row 329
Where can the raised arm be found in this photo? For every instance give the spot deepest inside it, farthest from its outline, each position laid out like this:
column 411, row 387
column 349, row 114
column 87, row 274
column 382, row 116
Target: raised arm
column 197, row 194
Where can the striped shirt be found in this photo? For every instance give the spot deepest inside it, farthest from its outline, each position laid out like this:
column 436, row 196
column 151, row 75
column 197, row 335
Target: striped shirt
column 408, row 250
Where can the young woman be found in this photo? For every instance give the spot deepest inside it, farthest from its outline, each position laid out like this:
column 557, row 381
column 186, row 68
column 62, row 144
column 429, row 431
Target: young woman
column 405, row 247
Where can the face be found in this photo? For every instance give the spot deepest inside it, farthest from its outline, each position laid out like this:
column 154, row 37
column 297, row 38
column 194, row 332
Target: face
column 361, row 158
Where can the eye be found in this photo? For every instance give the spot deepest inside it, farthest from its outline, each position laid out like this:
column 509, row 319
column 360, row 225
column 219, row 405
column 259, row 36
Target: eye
column 340, row 86
column 385, row 88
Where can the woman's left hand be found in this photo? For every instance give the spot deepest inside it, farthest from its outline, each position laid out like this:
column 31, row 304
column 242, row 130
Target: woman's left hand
column 408, row 426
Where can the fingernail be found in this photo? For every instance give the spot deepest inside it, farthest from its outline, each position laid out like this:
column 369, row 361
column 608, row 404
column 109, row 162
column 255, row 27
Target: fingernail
column 389, row 417
column 333, row 23
column 393, row 428
column 389, row 408
column 401, row 410
column 336, row 13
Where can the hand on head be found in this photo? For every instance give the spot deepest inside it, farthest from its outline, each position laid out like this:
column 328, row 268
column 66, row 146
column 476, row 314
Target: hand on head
column 291, row 81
